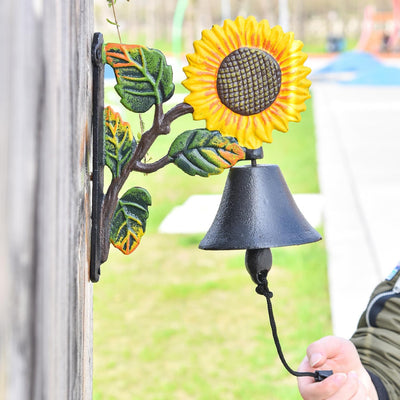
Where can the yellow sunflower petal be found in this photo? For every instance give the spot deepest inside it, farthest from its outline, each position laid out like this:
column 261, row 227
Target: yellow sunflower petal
column 297, row 46
column 207, row 53
column 277, row 39
column 240, row 25
column 293, row 96
column 226, row 41
column 279, row 119
column 192, row 70
column 292, row 113
column 218, row 46
column 263, row 31
column 232, row 32
column 293, row 60
column 250, row 29
column 241, row 131
column 286, row 46
column 265, row 135
column 201, row 85
column 261, row 134
column 297, row 74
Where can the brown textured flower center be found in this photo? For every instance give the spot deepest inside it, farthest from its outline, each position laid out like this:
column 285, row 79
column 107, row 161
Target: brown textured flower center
column 248, row 80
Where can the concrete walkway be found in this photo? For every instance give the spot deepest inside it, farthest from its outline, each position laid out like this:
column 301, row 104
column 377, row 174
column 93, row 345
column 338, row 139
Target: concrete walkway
column 358, row 144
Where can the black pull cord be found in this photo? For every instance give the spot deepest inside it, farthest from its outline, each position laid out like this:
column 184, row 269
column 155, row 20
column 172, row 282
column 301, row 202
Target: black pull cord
column 263, row 289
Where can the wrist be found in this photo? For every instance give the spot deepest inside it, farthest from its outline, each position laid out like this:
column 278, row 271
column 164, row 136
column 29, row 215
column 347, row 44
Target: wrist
column 367, row 381
column 379, row 390
column 372, row 393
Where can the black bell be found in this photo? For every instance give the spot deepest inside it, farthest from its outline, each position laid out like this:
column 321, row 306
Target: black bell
column 257, row 211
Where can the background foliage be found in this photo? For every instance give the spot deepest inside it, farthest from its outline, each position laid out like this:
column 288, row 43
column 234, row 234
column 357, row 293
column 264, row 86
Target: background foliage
column 151, row 21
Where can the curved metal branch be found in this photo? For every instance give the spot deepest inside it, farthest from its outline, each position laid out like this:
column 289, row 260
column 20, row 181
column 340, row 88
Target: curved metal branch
column 152, row 167
column 177, row 111
column 161, row 126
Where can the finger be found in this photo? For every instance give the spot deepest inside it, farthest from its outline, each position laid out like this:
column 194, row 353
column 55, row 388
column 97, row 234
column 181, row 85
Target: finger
column 304, row 381
column 325, row 348
column 351, row 389
column 311, row 390
column 305, row 366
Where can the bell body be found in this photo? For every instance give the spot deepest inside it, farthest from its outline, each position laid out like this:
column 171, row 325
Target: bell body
column 257, row 211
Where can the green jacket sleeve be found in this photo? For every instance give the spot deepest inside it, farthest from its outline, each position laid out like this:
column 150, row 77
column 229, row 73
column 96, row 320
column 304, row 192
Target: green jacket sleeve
column 377, row 337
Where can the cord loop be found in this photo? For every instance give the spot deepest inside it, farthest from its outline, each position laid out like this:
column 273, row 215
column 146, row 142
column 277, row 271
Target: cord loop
column 262, row 289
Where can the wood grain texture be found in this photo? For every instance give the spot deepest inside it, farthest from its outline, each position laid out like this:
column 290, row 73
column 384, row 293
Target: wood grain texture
column 45, row 111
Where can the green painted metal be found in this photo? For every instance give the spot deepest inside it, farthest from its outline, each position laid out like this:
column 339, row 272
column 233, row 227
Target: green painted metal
column 204, row 153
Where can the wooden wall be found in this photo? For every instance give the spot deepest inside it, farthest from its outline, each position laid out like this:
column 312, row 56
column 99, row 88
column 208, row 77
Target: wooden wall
column 45, row 111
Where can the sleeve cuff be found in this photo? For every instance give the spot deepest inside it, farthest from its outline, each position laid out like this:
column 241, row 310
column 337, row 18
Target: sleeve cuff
column 380, row 388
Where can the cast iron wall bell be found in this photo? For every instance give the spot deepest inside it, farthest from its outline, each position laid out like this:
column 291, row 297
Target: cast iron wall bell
column 257, row 212
column 245, row 79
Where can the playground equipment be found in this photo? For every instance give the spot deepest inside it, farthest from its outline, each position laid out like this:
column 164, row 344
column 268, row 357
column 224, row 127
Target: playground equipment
column 380, row 30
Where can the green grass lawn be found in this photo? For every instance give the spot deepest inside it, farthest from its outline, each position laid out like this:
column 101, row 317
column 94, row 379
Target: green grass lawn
column 175, row 322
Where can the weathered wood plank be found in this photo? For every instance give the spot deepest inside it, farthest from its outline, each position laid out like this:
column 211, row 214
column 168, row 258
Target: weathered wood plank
column 45, row 293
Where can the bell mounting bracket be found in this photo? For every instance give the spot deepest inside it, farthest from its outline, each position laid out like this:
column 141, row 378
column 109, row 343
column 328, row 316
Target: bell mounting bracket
column 98, row 155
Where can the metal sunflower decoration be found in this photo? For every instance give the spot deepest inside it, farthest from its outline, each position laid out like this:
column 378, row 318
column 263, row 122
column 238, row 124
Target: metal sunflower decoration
column 247, row 79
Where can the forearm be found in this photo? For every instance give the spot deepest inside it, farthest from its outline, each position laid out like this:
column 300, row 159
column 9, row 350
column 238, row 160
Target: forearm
column 377, row 338
column 379, row 353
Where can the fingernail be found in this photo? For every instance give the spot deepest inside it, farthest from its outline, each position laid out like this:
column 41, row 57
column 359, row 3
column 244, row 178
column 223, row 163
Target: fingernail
column 315, row 359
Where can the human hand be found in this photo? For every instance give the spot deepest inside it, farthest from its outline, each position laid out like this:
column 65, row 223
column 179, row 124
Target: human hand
column 350, row 379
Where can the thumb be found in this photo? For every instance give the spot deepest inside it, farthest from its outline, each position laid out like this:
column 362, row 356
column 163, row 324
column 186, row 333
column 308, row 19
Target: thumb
column 327, row 347
column 316, row 359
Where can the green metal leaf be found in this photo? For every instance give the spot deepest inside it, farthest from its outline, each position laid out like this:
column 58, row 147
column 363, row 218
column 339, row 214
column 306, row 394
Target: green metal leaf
column 128, row 224
column 203, row 152
column 119, row 141
column 143, row 76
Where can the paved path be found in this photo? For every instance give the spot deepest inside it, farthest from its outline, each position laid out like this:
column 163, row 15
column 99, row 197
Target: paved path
column 358, row 142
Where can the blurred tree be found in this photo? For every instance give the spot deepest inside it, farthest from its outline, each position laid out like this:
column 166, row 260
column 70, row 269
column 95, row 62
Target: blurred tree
column 150, row 21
